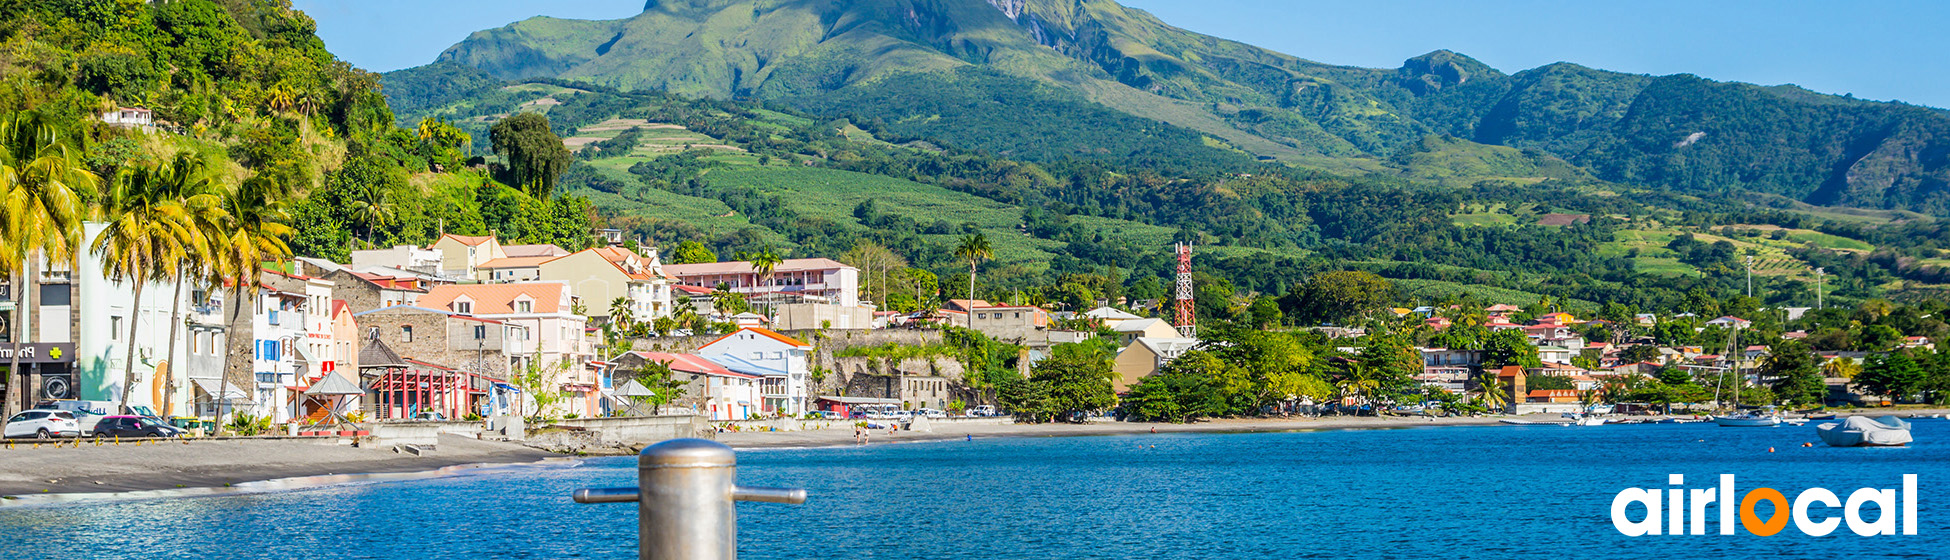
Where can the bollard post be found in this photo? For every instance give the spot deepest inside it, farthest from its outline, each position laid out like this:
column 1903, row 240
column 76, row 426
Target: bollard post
column 684, row 494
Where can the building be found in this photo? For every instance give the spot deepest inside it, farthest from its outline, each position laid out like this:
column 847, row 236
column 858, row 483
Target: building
column 404, row 257
column 366, row 291
column 129, row 117
column 1144, row 356
column 809, row 316
column 909, row 390
column 1552, row 396
column 598, row 276
column 286, row 329
column 1109, row 317
column 1129, row 331
column 781, row 360
column 791, row 281
column 550, row 335
column 461, row 254
column 710, row 389
column 1730, row 322
column 511, row 269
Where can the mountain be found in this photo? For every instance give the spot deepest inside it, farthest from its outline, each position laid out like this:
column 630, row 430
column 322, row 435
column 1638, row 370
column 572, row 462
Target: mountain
column 1048, row 79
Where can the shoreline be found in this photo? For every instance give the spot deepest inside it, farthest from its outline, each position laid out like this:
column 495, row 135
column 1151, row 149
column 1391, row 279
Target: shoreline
column 53, row 475
column 187, row 464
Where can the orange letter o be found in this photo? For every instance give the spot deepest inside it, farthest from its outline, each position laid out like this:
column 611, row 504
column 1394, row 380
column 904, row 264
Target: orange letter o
column 1774, row 524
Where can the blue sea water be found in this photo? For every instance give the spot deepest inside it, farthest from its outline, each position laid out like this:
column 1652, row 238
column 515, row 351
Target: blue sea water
column 1452, row 492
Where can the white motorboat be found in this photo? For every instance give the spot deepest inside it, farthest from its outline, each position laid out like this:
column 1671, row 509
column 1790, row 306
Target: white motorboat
column 1748, row 420
column 1861, row 431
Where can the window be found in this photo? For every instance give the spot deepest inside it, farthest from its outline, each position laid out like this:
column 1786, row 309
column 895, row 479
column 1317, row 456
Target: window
column 758, row 355
column 115, row 327
column 405, row 333
column 466, row 307
column 480, row 332
column 981, row 315
column 524, row 307
column 778, row 355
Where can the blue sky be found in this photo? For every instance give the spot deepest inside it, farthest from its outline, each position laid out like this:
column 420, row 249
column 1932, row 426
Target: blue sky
column 1888, row 49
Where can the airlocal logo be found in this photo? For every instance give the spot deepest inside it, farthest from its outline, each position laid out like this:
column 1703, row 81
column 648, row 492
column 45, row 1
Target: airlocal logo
column 1674, row 510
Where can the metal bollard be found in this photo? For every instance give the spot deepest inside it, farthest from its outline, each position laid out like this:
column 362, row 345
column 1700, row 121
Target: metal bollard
column 684, row 500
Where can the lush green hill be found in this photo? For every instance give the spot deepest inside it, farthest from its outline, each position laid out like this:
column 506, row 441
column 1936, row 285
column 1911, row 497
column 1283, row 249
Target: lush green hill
column 1048, row 79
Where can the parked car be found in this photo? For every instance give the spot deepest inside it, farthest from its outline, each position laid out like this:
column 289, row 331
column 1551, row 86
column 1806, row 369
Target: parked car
column 135, row 426
column 932, row 413
column 983, row 410
column 42, row 424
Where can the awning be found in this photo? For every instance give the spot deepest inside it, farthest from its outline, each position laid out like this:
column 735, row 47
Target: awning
column 334, row 385
column 304, row 354
column 633, row 389
column 212, row 386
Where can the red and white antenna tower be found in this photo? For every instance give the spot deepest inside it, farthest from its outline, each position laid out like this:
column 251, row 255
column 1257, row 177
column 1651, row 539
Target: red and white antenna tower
column 1187, row 317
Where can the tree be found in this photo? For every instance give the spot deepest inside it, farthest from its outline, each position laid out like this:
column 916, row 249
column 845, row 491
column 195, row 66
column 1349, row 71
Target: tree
column 1895, row 375
column 1638, row 353
column 764, row 262
column 254, row 230
column 1509, row 347
column 149, row 237
column 692, row 252
column 44, row 189
column 1182, row 391
column 663, row 384
column 1335, row 297
column 189, row 183
column 1490, row 389
column 536, row 156
column 538, row 381
column 1072, row 382
column 1797, row 379
column 973, row 248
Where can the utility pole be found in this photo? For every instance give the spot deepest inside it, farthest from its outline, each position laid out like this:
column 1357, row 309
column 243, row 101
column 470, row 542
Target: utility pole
column 1818, row 273
column 1750, row 276
column 1186, row 317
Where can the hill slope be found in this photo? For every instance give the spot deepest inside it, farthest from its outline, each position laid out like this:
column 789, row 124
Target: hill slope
column 1048, row 79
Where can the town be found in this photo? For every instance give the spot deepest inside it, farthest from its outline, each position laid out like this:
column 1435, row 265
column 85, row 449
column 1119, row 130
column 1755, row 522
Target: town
column 469, row 328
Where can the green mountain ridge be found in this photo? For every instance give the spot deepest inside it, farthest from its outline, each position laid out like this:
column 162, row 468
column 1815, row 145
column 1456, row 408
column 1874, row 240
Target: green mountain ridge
column 1073, row 73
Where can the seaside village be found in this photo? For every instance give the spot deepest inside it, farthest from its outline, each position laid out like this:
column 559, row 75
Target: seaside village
column 469, row 328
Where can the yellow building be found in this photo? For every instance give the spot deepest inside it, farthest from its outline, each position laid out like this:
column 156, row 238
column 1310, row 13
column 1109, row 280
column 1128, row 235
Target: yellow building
column 598, row 276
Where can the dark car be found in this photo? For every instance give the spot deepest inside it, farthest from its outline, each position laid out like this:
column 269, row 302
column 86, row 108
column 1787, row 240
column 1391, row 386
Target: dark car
column 135, row 426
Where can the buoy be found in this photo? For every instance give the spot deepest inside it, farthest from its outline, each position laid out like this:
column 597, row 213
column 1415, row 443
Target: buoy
column 1770, row 450
column 1807, row 444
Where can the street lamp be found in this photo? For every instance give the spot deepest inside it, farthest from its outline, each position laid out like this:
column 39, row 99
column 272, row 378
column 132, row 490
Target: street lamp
column 1818, row 274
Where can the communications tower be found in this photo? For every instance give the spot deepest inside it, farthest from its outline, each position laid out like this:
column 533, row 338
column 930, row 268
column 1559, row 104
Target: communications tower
column 1187, row 318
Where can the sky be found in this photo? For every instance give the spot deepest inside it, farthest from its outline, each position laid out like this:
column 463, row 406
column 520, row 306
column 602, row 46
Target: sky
column 1884, row 50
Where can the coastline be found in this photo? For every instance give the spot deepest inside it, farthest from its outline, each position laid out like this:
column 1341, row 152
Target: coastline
column 171, row 465
column 204, row 467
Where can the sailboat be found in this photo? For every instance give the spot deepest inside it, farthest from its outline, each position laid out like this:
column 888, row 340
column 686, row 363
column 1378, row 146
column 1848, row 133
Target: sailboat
column 1758, row 418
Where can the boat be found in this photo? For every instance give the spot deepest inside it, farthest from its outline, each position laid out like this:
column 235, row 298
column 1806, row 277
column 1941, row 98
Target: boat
column 1517, row 422
column 1861, row 431
column 1822, row 417
column 1591, row 421
column 1759, row 419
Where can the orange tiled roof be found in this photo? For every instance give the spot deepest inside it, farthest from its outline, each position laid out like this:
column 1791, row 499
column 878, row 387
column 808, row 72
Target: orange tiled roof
column 515, row 262
column 496, row 299
column 768, row 333
column 468, row 240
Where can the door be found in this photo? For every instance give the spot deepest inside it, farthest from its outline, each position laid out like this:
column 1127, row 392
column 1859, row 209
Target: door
column 17, row 426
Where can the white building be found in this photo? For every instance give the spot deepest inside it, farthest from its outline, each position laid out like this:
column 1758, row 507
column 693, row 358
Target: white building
column 818, row 280
column 780, row 359
column 404, row 257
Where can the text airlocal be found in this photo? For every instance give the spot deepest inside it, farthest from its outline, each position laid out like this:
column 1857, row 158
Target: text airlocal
column 1682, row 511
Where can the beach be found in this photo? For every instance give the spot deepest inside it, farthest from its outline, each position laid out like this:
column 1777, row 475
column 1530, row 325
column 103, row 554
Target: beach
column 162, row 465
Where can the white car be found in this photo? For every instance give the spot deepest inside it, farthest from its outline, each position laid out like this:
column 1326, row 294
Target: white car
column 932, row 413
column 42, row 424
column 983, row 410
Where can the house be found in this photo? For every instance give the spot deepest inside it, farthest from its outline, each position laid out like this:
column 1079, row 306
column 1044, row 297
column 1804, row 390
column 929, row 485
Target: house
column 780, row 359
column 366, row 291
column 535, row 250
column 461, row 254
column 405, row 257
column 490, row 348
column 791, row 280
column 344, row 361
column 1110, row 317
column 1438, row 323
column 557, row 338
column 601, row 275
column 288, row 334
column 511, row 269
column 1448, row 369
column 710, row 389
column 1645, row 319
column 129, row 117
column 1918, row 342
column 1019, row 324
column 1552, row 396
column 911, row 390
column 1129, row 331
column 1556, row 369
column 1730, row 322
column 1144, row 356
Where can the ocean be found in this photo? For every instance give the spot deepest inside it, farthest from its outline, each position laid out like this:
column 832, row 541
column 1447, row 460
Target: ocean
column 1488, row 492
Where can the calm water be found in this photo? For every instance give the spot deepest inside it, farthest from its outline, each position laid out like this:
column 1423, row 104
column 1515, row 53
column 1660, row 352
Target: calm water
column 1479, row 492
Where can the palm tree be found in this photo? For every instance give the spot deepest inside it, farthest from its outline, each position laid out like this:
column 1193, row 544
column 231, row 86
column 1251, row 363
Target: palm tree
column 373, row 208
column 187, row 181
column 44, row 193
column 763, row 263
column 974, row 248
column 147, row 238
column 1491, row 390
column 254, row 219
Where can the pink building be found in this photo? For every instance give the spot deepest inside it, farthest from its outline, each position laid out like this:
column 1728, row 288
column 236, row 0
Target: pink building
column 827, row 279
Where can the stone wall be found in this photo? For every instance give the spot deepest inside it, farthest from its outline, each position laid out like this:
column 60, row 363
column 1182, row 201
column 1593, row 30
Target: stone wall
column 627, row 430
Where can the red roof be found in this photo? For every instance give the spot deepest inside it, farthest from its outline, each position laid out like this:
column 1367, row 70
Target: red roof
column 692, row 364
column 768, row 333
column 469, row 240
